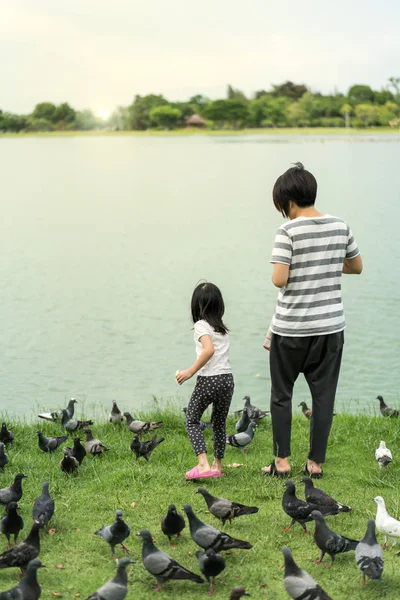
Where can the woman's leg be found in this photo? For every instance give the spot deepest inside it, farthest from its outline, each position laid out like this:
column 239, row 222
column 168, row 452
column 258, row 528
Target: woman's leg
column 224, row 386
column 198, row 403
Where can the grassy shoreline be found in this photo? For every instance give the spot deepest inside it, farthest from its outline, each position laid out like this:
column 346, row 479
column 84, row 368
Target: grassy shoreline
column 116, row 480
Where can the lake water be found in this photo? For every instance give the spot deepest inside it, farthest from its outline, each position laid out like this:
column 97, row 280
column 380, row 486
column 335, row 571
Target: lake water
column 104, row 238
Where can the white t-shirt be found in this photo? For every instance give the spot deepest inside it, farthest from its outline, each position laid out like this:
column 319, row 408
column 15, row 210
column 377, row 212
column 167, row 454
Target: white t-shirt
column 219, row 362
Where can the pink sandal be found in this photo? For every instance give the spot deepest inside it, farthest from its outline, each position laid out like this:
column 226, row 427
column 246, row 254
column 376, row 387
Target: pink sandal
column 195, row 474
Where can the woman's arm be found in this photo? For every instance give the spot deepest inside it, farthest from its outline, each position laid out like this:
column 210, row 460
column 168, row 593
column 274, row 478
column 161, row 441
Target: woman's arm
column 353, row 266
column 207, row 353
column 280, row 275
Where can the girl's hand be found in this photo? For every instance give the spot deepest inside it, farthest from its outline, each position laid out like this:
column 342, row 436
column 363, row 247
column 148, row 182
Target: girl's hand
column 184, row 375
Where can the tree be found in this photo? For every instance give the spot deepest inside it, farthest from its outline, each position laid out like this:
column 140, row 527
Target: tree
column 394, row 82
column 346, row 112
column 39, row 124
column 268, row 111
column 166, row 116
column 360, row 94
column 85, row 120
column 140, row 110
column 289, row 90
column 120, row 120
column 12, row 123
column 227, row 111
column 366, row 115
column 234, row 94
column 383, row 96
column 64, row 116
column 44, row 110
column 388, row 113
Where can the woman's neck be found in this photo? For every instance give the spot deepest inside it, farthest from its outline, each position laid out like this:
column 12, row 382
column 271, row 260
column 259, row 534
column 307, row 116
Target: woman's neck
column 297, row 211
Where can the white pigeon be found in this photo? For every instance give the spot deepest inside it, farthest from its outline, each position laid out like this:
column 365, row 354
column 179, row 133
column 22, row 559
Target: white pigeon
column 383, row 455
column 386, row 524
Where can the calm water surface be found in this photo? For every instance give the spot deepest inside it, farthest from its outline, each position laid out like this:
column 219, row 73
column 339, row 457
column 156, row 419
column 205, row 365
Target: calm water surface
column 104, row 238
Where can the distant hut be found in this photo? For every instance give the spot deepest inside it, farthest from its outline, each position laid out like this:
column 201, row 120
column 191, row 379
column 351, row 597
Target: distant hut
column 195, row 121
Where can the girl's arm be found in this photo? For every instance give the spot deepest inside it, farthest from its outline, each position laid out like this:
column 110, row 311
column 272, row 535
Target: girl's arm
column 353, row 266
column 207, row 353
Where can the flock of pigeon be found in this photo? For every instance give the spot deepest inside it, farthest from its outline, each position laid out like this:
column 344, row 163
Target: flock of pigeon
column 315, row 508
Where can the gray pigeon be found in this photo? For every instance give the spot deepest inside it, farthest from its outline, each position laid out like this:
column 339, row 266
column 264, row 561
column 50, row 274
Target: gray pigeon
column 172, row 523
column 238, row 592
column 317, row 496
column 93, row 445
column 6, row 435
column 3, row 456
column 11, row 523
column 28, row 588
column 298, row 583
column 255, row 414
column 369, row 555
column 162, row 566
column 203, row 424
column 211, row 564
column 328, row 541
column 207, row 536
column 43, row 508
column 70, row 424
column 241, row 440
column 78, row 451
column 22, row 553
column 223, row 509
column 69, row 464
column 307, row 412
column 141, row 427
column 386, row 410
column 144, row 449
column 116, row 533
column 115, row 415
column 300, row 511
column 243, row 422
column 117, row 588
column 50, row 444
column 55, row 416
column 14, row 492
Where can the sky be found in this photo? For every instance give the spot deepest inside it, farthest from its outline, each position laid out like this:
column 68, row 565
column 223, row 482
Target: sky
column 100, row 53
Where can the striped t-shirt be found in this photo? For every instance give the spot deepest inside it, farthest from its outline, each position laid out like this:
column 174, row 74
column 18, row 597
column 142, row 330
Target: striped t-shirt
column 311, row 302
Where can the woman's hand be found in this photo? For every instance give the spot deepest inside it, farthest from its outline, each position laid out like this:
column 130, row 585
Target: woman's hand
column 184, row 375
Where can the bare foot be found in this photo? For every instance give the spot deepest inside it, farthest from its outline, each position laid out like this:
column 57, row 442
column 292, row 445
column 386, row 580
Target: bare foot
column 313, row 467
column 281, row 464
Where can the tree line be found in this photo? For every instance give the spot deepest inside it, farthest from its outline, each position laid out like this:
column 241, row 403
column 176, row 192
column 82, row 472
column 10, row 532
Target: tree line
column 285, row 105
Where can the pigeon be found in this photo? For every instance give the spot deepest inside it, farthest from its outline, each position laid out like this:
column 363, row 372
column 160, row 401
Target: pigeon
column 243, row 423
column 68, row 463
column 144, row 448
column 254, row 413
column 386, row 524
column 223, row 509
column 117, row 588
column 14, row 492
column 307, row 412
column 238, row 592
column 386, row 411
column 319, row 497
column 116, row 533
column 55, row 416
column 211, row 564
column 298, row 583
column 162, row 566
column 207, row 536
column 299, row 510
column 241, row 440
column 43, row 508
column 383, row 455
column 3, row 457
column 115, row 415
column 172, row 523
column 70, row 425
column 328, row 541
column 6, row 435
column 11, row 523
column 28, row 588
column 22, row 553
column 140, row 427
column 369, row 555
column 50, row 444
column 78, row 451
column 93, row 446
column 203, row 424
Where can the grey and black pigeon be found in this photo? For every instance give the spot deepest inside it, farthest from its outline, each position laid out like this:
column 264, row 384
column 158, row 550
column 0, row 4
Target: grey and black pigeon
column 141, row 427
column 3, row 456
column 12, row 522
column 117, row 588
column 299, row 510
column 207, row 536
column 203, row 424
column 69, row 464
column 307, row 412
column 55, row 416
column 116, row 533
column 43, row 507
column 22, row 553
column 6, row 435
column 115, row 415
column 369, row 555
column 242, row 440
column 78, row 451
column 144, row 449
column 50, row 444
column 14, row 492
column 72, row 425
column 223, row 509
column 238, row 592
column 386, row 411
column 211, row 565
column 172, row 523
column 28, row 588
column 328, row 541
column 93, row 445
column 243, row 423
column 298, row 583
column 162, row 566
column 254, row 413
column 321, row 498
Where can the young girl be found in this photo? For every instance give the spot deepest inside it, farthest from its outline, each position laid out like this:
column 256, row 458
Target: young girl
column 214, row 383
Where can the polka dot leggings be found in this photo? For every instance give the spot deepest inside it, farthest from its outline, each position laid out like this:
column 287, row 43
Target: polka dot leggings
column 216, row 390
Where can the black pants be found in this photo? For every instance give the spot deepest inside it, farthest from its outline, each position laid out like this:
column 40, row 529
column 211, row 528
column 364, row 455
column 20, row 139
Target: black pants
column 319, row 358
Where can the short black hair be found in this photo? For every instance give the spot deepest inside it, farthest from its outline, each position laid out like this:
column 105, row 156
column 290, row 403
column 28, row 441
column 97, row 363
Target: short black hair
column 208, row 304
column 297, row 185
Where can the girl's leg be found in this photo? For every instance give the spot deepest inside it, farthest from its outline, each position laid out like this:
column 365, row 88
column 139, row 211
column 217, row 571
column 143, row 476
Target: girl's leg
column 198, row 403
column 224, row 386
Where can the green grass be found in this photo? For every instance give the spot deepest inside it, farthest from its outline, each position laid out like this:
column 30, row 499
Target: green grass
column 116, row 480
